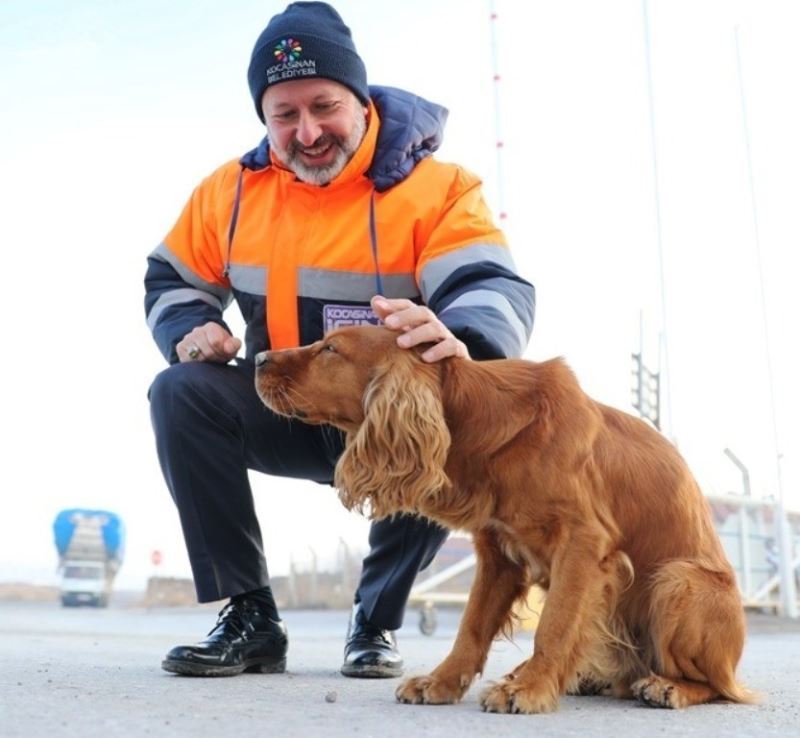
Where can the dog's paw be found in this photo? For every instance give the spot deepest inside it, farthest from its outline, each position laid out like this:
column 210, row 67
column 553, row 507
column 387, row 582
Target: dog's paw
column 514, row 696
column 430, row 690
column 655, row 691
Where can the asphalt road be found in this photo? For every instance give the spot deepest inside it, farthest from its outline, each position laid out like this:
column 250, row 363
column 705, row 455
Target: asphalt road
column 97, row 673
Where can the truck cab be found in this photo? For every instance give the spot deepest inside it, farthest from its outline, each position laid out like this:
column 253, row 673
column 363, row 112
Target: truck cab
column 85, row 583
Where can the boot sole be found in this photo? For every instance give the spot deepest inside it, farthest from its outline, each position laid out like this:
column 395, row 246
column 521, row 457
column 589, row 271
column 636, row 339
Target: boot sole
column 372, row 672
column 189, row 668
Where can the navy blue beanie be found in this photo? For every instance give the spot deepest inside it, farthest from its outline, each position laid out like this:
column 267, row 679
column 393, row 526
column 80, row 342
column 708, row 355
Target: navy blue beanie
column 306, row 40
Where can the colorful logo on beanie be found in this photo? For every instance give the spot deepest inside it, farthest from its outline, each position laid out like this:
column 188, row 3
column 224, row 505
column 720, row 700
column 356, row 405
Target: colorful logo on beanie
column 288, row 50
column 288, row 64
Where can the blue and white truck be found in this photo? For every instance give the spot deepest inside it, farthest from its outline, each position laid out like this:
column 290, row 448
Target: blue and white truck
column 90, row 545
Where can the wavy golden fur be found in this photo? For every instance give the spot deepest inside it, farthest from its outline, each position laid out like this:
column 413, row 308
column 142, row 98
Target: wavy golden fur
column 556, row 489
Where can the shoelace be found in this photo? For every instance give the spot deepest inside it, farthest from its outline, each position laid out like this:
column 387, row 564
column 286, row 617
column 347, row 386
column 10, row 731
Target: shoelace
column 233, row 615
column 366, row 631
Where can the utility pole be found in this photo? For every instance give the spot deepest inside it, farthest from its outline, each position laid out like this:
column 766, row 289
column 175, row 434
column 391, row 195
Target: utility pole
column 665, row 423
column 498, row 127
column 646, row 389
column 786, row 568
column 314, row 593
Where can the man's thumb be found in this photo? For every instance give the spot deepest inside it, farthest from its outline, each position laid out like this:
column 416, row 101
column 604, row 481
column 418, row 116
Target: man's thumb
column 232, row 345
column 381, row 306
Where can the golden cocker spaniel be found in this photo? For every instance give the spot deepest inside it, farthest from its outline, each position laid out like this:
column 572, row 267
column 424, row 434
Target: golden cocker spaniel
column 592, row 504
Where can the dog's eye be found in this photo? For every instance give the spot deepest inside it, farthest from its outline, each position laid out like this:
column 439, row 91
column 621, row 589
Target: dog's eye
column 329, row 347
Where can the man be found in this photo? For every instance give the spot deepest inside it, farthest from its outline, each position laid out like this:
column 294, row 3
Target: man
column 339, row 216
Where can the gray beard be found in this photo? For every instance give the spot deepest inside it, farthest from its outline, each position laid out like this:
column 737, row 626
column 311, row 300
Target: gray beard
column 322, row 175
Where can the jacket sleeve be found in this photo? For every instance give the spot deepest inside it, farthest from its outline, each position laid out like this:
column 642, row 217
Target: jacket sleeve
column 467, row 277
column 184, row 283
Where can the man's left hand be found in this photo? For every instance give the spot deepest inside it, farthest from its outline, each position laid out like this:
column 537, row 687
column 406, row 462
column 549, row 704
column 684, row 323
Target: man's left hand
column 418, row 324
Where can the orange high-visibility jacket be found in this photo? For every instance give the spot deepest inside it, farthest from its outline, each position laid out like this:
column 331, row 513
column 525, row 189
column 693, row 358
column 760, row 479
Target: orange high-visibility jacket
column 301, row 259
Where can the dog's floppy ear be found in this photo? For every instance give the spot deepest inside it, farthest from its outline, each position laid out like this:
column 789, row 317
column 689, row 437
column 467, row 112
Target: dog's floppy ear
column 396, row 458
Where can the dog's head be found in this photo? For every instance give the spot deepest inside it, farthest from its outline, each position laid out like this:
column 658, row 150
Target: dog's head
column 387, row 400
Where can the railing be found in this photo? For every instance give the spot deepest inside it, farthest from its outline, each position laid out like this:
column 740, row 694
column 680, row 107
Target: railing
column 748, row 530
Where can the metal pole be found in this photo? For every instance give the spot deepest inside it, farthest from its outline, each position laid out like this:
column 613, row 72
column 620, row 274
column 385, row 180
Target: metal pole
column 314, row 595
column 744, row 552
column 788, row 591
column 498, row 128
column 292, row 584
column 344, row 550
column 744, row 526
column 640, row 379
column 742, row 468
column 667, row 421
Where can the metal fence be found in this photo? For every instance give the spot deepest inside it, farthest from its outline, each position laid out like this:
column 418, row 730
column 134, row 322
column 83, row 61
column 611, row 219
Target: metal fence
column 749, row 532
column 747, row 528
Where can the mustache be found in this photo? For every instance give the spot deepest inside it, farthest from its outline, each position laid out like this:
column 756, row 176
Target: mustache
column 325, row 139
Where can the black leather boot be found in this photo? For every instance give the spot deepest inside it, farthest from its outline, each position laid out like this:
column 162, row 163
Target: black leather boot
column 370, row 652
column 244, row 639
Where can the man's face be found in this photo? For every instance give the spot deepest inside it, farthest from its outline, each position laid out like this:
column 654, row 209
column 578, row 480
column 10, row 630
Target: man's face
column 314, row 127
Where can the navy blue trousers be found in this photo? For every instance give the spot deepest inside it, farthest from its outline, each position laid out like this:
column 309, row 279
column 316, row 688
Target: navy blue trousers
column 210, row 428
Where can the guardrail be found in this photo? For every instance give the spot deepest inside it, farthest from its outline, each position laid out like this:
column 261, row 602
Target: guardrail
column 749, row 532
column 747, row 528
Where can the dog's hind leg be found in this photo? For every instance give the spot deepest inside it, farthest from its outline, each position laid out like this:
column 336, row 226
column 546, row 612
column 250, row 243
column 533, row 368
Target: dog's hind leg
column 697, row 632
column 657, row 691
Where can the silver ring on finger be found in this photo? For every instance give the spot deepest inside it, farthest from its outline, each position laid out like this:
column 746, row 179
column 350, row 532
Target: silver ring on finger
column 194, row 352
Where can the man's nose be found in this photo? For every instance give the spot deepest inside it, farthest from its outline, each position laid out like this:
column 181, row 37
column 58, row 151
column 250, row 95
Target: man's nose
column 308, row 130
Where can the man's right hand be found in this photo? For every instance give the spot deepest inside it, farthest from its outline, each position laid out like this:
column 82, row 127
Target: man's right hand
column 209, row 342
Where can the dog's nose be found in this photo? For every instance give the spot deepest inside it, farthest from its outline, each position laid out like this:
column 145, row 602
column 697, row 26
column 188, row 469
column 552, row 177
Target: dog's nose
column 262, row 358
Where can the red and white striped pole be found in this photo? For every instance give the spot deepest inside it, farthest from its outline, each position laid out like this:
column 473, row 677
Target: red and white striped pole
column 499, row 144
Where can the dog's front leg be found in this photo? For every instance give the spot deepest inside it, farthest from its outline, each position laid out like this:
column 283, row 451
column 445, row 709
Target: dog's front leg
column 498, row 583
column 575, row 600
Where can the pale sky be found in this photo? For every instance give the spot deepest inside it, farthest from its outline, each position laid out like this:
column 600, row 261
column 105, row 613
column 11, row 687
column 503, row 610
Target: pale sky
column 113, row 112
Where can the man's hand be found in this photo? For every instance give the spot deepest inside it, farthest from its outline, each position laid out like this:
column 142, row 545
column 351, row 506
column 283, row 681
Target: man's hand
column 209, row 342
column 418, row 324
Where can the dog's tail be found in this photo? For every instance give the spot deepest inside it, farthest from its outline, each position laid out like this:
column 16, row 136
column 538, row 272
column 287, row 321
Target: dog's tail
column 698, row 626
column 738, row 693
